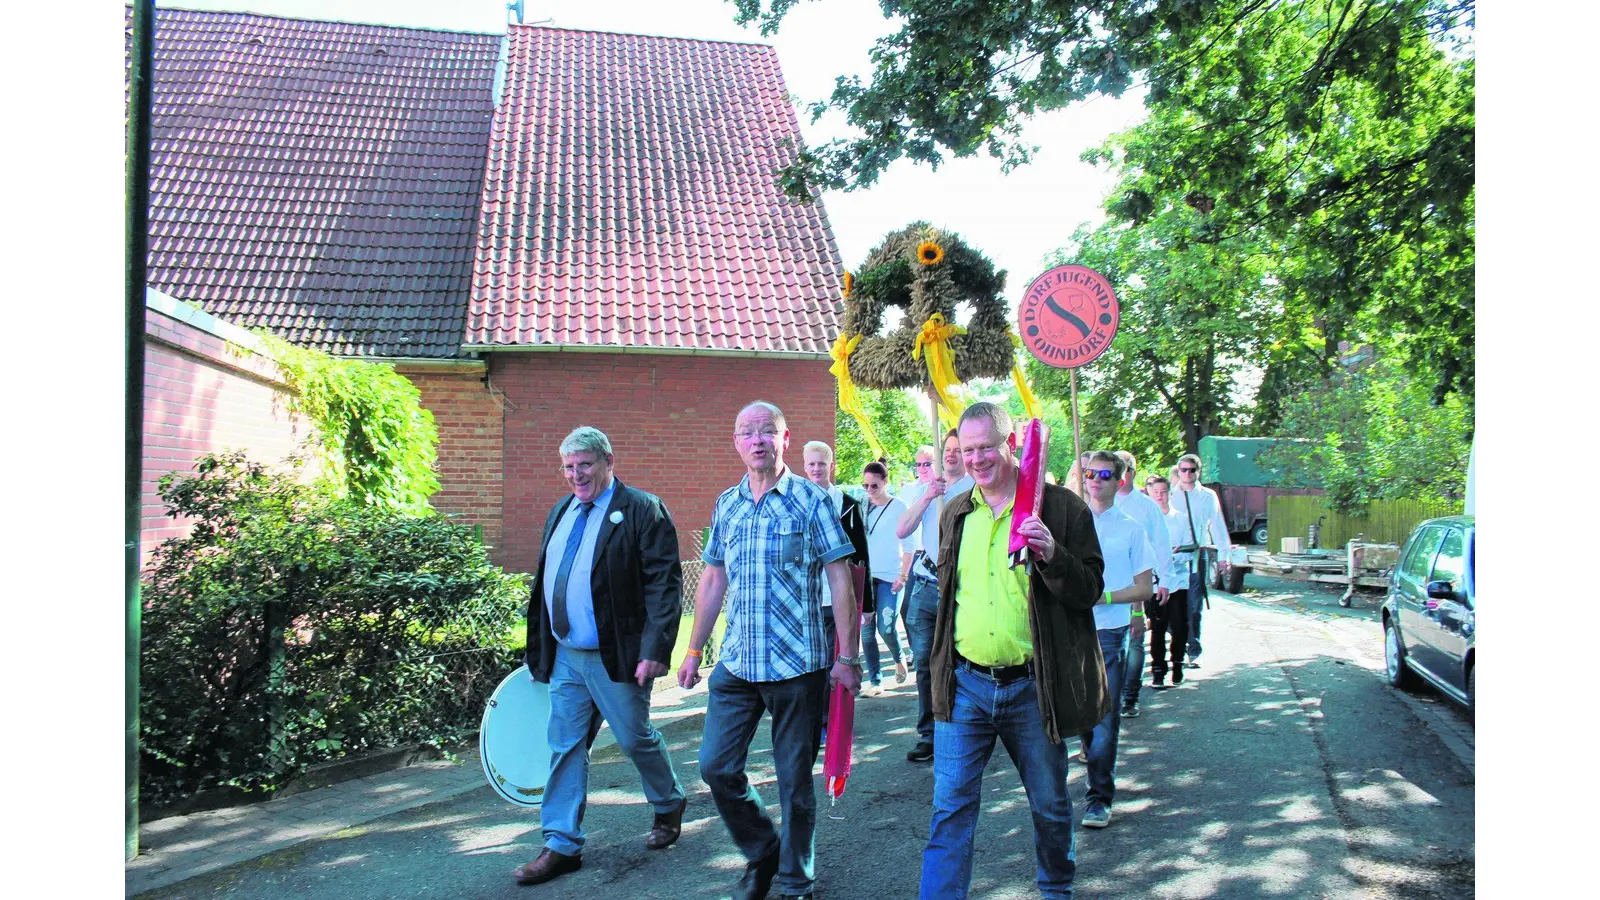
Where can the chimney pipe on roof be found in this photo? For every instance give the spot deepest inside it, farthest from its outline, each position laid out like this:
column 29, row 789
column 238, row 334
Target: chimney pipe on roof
column 514, row 6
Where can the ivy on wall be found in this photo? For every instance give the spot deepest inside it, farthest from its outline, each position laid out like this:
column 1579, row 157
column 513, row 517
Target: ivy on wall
column 378, row 442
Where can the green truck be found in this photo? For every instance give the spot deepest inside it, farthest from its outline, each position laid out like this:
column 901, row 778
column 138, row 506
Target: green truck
column 1228, row 465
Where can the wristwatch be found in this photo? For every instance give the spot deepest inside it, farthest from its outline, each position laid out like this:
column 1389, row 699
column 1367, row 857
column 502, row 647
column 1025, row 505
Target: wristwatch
column 853, row 662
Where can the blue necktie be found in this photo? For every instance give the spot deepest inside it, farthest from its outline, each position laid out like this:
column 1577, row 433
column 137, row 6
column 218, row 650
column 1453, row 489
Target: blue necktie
column 558, row 603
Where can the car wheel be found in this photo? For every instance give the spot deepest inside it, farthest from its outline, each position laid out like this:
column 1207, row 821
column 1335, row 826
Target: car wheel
column 1394, row 658
column 1258, row 534
column 1235, row 579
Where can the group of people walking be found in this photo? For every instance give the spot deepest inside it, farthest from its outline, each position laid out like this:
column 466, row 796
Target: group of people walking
column 1030, row 655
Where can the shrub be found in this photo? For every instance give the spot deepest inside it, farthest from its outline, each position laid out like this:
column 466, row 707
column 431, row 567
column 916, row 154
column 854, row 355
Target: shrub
column 293, row 626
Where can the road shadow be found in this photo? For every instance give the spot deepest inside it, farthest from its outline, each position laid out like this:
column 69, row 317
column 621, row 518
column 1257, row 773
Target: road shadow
column 1267, row 774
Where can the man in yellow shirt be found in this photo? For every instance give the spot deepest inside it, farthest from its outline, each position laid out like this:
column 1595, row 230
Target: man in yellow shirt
column 1015, row 656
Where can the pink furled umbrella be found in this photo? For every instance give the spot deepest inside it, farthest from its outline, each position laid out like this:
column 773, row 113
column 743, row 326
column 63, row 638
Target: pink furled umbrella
column 1030, row 485
column 841, row 734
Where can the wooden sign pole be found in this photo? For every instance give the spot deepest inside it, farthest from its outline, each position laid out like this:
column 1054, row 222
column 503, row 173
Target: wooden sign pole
column 1077, row 453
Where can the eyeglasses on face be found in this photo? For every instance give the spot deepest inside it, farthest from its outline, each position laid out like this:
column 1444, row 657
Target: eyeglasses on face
column 1188, row 470
column 1102, row 474
column 765, row 434
column 582, row 468
column 926, row 464
column 870, row 486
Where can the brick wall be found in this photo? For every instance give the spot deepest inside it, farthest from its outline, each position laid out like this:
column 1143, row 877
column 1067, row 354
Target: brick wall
column 669, row 417
column 200, row 397
column 470, row 443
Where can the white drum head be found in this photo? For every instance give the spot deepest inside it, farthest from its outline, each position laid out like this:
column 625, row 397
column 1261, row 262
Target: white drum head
column 512, row 741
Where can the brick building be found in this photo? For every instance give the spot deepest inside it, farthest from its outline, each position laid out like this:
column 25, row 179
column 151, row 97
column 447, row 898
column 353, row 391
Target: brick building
column 543, row 229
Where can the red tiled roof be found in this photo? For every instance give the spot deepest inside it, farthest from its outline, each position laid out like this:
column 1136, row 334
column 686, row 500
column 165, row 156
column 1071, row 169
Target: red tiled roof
column 320, row 179
column 631, row 200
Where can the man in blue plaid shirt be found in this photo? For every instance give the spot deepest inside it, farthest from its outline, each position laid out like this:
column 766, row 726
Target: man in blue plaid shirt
column 774, row 538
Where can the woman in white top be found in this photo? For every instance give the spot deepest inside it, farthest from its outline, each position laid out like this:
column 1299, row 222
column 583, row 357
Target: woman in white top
column 890, row 560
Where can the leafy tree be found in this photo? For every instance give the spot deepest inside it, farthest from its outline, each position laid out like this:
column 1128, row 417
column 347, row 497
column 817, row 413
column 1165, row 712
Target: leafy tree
column 378, row 441
column 1337, row 135
column 1375, row 434
column 900, row 425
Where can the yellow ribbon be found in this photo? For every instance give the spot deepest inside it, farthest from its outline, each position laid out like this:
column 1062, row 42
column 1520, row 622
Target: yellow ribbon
column 935, row 336
column 849, row 399
column 1030, row 403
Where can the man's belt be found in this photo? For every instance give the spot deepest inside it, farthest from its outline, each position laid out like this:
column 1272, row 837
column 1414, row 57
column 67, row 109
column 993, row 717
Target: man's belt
column 1001, row 674
column 924, row 569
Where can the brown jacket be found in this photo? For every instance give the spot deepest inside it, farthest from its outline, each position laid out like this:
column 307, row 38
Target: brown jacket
column 1071, row 674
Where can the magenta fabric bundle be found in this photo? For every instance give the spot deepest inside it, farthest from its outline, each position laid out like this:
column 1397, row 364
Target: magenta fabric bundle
column 841, row 735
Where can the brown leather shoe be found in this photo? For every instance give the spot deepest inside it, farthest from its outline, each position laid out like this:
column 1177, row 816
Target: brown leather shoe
column 550, row 864
column 667, row 828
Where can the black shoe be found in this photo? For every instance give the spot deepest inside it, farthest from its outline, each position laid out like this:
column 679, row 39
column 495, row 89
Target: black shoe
column 1191, row 664
column 1158, row 681
column 1177, row 675
column 757, row 878
column 922, row 752
column 1130, row 710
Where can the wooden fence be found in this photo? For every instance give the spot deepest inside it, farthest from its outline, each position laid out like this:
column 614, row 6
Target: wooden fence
column 1388, row 521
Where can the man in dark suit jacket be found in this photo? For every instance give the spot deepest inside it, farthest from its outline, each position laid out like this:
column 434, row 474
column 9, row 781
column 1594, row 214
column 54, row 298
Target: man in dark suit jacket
column 602, row 622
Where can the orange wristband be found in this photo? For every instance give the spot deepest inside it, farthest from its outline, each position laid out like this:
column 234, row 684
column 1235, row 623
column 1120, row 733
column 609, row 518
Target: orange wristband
column 697, row 654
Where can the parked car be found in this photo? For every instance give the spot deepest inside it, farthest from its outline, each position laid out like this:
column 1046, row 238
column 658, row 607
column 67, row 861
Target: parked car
column 1429, row 613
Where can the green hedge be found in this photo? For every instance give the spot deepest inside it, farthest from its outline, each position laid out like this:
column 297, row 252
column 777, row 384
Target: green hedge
column 292, row 627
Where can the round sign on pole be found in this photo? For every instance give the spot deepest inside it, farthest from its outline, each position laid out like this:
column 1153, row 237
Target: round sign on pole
column 1068, row 316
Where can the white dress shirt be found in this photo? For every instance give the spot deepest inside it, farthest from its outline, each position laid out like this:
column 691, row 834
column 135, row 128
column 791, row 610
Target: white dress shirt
column 929, row 527
column 1148, row 514
column 1203, row 506
column 1126, row 552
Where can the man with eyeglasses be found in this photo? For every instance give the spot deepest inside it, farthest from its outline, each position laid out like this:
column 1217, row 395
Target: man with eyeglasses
column 774, row 539
column 1015, row 657
column 1153, row 520
column 924, row 504
column 603, row 618
column 1200, row 540
column 1129, row 577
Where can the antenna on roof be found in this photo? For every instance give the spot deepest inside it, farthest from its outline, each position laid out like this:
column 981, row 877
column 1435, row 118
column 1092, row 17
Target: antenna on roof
column 516, row 7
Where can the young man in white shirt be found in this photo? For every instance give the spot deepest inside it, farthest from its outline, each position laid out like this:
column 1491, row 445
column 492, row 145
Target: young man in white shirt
column 1200, row 536
column 1129, row 582
column 924, row 501
column 1153, row 520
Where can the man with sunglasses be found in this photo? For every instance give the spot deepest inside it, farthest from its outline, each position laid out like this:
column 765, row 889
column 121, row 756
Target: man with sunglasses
column 1200, row 539
column 924, row 504
column 1129, row 570
column 1153, row 520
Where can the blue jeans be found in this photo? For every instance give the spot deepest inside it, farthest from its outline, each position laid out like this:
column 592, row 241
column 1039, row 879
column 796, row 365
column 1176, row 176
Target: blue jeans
column 1101, row 743
column 581, row 696
column 886, row 614
column 920, row 615
column 1134, row 668
column 733, row 711
column 981, row 711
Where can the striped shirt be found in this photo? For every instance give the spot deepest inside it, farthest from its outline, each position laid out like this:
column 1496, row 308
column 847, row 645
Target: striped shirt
column 774, row 552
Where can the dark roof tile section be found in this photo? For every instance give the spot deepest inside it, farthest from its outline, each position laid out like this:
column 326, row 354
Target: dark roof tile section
column 320, row 179
column 631, row 200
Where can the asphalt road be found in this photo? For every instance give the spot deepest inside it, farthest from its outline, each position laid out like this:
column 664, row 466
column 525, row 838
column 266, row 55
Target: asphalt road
column 1284, row 767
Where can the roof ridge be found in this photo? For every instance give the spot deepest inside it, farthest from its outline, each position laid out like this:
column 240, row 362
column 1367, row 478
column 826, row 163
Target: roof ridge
column 166, row 7
column 637, row 34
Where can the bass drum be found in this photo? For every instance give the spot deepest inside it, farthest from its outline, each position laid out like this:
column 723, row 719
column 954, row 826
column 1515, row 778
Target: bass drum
column 512, row 741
